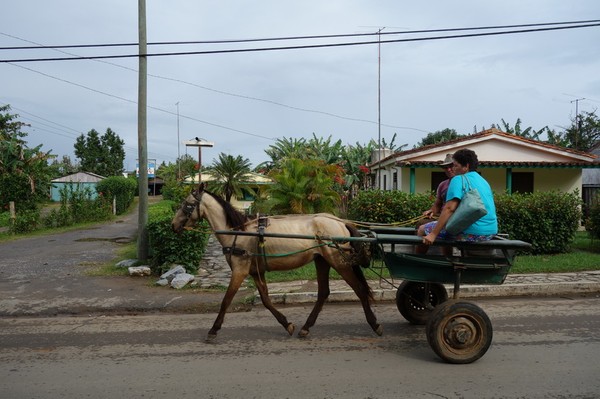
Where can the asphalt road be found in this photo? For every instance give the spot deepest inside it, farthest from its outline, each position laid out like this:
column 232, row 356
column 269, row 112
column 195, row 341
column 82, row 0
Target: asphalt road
column 542, row 348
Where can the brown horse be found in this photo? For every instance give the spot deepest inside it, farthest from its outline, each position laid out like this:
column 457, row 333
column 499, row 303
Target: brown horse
column 253, row 255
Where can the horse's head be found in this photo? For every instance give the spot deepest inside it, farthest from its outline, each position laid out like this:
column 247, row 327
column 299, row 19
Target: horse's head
column 189, row 212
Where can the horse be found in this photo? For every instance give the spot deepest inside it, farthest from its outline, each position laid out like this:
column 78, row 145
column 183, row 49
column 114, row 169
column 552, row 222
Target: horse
column 253, row 255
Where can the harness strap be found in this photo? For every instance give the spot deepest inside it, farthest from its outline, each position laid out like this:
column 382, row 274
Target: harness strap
column 234, row 251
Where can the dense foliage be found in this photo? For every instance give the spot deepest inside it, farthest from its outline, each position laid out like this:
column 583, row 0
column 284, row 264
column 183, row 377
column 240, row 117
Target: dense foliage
column 388, row 206
column 103, row 155
column 119, row 187
column 78, row 204
column 168, row 248
column 24, row 172
column 302, row 186
column 548, row 220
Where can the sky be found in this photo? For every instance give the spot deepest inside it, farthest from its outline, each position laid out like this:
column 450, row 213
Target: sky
column 245, row 101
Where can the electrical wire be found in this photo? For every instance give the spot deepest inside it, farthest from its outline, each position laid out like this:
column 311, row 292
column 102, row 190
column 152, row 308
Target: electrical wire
column 331, row 36
column 299, row 47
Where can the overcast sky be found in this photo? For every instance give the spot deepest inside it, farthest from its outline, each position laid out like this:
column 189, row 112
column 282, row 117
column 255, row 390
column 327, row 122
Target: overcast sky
column 244, row 101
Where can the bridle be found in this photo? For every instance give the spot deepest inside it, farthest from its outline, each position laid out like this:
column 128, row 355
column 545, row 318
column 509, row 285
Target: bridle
column 188, row 208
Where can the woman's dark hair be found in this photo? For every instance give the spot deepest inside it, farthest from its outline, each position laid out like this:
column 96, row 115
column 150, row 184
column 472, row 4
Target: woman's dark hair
column 466, row 157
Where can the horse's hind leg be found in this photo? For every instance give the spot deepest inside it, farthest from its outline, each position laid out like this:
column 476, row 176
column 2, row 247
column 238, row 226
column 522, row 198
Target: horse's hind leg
column 322, row 295
column 261, row 285
column 359, row 284
column 237, row 278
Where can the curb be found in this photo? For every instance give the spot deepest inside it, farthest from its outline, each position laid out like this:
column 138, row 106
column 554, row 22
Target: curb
column 466, row 291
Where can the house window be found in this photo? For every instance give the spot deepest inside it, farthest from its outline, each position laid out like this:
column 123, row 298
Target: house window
column 522, row 182
column 436, row 179
column 395, row 181
column 385, row 182
column 247, row 195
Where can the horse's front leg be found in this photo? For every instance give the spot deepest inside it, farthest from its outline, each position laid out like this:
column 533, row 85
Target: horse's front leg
column 322, row 295
column 261, row 285
column 237, row 278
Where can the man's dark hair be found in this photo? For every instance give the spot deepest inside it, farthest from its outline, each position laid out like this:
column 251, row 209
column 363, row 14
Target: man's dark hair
column 466, row 157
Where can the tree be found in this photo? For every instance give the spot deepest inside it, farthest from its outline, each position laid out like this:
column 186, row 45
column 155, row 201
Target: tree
column 184, row 166
column 103, row 155
column 438, row 137
column 24, row 172
column 63, row 167
column 302, row 186
column 230, row 173
column 584, row 131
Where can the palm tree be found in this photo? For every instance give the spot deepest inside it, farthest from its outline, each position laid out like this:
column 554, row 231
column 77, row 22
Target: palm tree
column 302, row 186
column 230, row 173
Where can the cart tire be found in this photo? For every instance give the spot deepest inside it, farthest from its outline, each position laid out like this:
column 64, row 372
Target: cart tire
column 459, row 332
column 415, row 304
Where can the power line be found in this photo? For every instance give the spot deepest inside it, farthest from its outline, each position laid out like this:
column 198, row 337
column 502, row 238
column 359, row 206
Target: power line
column 285, row 38
column 299, row 47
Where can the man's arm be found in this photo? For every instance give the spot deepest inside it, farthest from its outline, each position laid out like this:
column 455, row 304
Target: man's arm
column 447, row 212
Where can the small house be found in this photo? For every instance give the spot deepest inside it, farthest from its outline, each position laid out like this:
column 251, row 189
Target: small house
column 75, row 181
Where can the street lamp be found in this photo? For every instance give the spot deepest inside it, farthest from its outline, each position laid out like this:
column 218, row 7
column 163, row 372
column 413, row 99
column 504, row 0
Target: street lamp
column 197, row 142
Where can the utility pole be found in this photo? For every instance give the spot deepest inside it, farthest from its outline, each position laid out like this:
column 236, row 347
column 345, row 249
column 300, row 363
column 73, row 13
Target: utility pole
column 379, row 105
column 178, row 153
column 142, row 248
column 577, row 120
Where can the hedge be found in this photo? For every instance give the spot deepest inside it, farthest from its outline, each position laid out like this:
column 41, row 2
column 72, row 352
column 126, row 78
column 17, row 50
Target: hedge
column 377, row 206
column 168, row 248
column 548, row 220
column 119, row 187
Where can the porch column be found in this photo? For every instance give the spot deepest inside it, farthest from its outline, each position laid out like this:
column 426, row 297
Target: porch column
column 412, row 180
column 509, row 180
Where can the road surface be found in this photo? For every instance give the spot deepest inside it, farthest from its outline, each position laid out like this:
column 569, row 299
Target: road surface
column 542, row 348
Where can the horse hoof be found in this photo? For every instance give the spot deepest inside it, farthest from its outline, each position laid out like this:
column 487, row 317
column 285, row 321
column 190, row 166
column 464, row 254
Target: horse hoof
column 211, row 338
column 290, row 328
column 378, row 329
column 303, row 333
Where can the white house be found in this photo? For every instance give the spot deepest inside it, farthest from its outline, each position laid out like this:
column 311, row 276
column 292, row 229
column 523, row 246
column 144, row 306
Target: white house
column 508, row 162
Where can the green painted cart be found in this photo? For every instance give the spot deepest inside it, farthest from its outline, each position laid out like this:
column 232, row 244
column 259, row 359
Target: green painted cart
column 458, row 331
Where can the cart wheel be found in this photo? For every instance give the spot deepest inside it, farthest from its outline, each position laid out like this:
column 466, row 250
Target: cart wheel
column 416, row 301
column 459, row 332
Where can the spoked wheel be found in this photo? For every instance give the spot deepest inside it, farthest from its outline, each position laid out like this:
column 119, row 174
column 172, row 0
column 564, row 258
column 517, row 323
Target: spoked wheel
column 459, row 332
column 416, row 301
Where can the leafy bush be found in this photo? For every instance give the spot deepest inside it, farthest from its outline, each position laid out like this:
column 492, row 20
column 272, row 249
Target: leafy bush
column 122, row 188
column 175, row 191
column 377, row 206
column 548, row 220
column 167, row 247
column 25, row 222
column 592, row 223
column 77, row 205
column 17, row 188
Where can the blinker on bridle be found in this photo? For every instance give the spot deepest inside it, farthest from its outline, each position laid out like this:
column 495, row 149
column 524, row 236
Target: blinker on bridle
column 188, row 207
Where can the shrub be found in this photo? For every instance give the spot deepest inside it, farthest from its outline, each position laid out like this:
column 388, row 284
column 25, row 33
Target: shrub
column 119, row 187
column 175, row 191
column 377, row 206
column 17, row 188
column 166, row 247
column 77, row 205
column 592, row 223
column 25, row 222
column 548, row 220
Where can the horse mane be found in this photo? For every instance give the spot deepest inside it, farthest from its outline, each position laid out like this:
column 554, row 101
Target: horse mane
column 236, row 219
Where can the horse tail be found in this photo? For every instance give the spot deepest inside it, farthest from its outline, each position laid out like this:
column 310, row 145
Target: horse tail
column 361, row 254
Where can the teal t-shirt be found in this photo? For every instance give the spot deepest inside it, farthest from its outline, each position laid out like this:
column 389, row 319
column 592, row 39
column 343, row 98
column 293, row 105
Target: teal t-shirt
column 488, row 224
